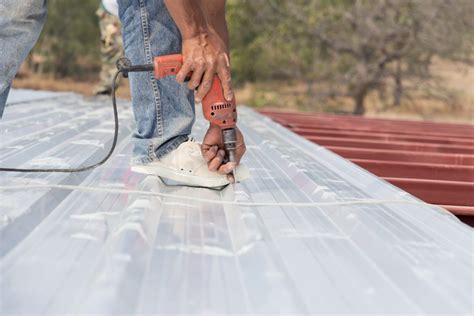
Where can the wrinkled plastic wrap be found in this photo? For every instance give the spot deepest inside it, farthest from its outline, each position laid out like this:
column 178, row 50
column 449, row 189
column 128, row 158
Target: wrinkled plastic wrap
column 308, row 233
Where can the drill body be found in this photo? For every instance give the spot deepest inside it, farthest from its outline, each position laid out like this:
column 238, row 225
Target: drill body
column 217, row 110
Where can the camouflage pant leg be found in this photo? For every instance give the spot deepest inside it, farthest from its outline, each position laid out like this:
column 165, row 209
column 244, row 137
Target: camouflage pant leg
column 111, row 49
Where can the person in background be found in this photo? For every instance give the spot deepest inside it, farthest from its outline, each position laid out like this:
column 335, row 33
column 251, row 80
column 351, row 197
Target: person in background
column 111, row 45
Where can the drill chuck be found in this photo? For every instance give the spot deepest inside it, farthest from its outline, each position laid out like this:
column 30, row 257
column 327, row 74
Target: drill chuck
column 230, row 142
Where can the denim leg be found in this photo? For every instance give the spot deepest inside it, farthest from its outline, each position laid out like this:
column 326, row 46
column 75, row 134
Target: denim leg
column 3, row 99
column 20, row 25
column 163, row 109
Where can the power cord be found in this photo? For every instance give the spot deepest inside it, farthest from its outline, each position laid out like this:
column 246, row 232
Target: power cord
column 124, row 66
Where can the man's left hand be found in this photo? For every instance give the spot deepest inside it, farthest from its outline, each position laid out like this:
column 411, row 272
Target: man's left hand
column 212, row 150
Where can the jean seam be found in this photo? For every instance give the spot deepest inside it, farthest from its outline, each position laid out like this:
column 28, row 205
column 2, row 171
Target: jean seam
column 151, row 150
column 149, row 59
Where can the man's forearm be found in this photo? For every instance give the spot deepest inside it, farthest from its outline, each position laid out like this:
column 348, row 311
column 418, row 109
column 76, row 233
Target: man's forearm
column 200, row 17
column 188, row 16
column 205, row 46
column 214, row 13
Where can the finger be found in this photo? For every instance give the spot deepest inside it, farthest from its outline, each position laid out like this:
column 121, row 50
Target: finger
column 216, row 162
column 198, row 71
column 207, row 79
column 231, row 178
column 223, row 71
column 183, row 72
column 226, row 168
column 208, row 152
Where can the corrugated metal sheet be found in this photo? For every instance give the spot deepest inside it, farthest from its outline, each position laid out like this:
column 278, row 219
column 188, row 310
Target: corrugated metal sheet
column 433, row 161
column 309, row 233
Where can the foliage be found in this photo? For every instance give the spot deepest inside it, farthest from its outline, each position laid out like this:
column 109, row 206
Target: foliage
column 357, row 46
column 344, row 48
column 69, row 43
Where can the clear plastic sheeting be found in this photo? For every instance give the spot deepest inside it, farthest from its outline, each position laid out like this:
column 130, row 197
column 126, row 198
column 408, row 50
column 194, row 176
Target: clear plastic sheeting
column 308, row 233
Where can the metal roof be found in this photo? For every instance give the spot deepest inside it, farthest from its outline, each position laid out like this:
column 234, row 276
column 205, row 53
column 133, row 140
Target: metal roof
column 308, row 233
column 433, row 161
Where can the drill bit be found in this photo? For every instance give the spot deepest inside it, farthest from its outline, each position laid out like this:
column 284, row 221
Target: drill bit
column 234, row 171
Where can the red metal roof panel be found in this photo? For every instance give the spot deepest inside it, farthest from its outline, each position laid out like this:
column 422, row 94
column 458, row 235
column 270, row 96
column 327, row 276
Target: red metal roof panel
column 433, row 161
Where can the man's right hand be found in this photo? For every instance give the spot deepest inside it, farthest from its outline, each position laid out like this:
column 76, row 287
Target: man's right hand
column 205, row 44
column 205, row 55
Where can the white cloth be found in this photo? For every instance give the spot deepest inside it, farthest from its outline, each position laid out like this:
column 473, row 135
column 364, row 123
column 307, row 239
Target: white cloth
column 111, row 6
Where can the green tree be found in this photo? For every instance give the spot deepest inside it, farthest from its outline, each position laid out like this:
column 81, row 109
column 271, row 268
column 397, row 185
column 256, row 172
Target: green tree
column 356, row 46
column 70, row 39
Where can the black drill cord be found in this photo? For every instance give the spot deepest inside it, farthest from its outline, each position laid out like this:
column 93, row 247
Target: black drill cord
column 81, row 169
column 124, row 67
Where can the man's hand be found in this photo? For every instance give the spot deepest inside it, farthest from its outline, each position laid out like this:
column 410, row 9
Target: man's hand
column 205, row 45
column 212, row 149
column 205, row 55
column 205, row 49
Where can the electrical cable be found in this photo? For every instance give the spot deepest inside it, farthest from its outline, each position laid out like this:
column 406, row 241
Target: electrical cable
column 223, row 202
column 81, row 169
column 124, row 66
column 213, row 201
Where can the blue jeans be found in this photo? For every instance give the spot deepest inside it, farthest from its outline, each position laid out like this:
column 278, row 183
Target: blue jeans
column 20, row 25
column 163, row 109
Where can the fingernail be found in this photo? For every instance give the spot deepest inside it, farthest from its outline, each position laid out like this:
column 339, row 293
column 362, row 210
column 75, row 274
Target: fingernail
column 229, row 96
column 198, row 100
column 230, row 167
column 221, row 153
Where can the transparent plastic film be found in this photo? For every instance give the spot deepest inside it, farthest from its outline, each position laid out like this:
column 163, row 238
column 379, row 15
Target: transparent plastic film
column 308, row 233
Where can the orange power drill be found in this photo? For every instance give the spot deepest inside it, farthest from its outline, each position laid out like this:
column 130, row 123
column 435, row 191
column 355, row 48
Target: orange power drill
column 217, row 110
